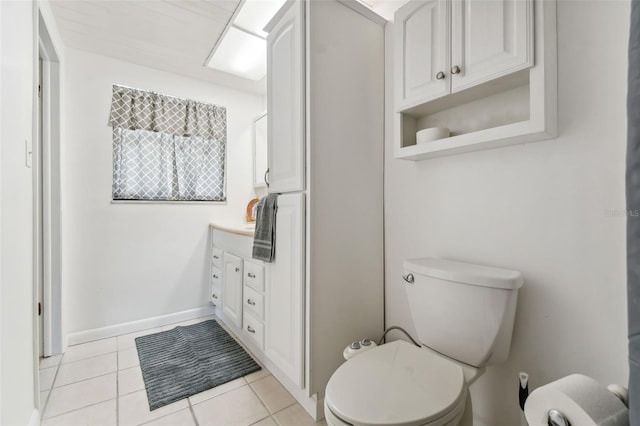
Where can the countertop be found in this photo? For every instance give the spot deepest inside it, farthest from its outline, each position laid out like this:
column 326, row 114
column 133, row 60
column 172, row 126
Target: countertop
column 240, row 228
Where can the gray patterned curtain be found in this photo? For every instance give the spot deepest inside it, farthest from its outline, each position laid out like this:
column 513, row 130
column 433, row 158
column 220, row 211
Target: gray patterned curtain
column 167, row 148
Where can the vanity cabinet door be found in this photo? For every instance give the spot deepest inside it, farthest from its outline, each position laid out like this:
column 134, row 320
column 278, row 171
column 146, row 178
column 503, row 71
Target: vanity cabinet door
column 232, row 289
column 284, row 295
column 285, row 98
column 489, row 39
column 421, row 52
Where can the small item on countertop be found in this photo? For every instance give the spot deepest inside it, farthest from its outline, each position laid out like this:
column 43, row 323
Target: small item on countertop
column 252, row 209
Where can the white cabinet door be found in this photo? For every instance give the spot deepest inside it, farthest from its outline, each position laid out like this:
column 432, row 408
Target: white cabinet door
column 284, row 296
column 489, row 39
column 421, row 52
column 232, row 289
column 285, row 97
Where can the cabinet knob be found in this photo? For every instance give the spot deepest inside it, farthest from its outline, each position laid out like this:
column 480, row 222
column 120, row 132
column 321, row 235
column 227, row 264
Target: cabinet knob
column 237, row 269
column 250, row 330
column 455, row 69
column 440, row 75
column 215, row 276
column 251, row 275
column 408, row 278
column 215, row 256
column 214, row 296
column 251, row 302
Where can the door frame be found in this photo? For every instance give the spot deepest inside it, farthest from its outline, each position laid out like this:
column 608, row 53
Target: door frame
column 50, row 261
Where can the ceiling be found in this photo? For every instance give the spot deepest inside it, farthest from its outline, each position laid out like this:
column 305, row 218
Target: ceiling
column 170, row 35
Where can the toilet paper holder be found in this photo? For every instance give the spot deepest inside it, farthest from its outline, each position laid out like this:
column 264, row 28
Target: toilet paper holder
column 556, row 418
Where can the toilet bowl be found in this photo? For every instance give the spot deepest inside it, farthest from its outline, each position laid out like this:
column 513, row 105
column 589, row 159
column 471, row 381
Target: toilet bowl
column 396, row 384
column 463, row 314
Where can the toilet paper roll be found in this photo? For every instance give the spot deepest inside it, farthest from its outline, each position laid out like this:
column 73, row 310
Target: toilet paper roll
column 581, row 399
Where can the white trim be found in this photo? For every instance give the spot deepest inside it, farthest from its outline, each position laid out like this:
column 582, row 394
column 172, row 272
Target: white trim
column 139, row 325
column 365, row 11
column 34, row 420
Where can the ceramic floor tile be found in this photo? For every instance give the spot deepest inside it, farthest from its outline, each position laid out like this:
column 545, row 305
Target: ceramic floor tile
column 134, row 410
column 51, row 361
column 88, row 350
column 130, row 380
column 239, row 407
column 128, row 358
column 127, row 341
column 86, row 369
column 218, row 390
column 272, row 393
column 294, row 416
column 266, row 422
column 188, row 322
column 257, row 375
column 46, row 378
column 180, row 418
column 81, row 394
column 102, row 414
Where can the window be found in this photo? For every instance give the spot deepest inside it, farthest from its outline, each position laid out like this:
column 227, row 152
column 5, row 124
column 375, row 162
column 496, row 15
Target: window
column 166, row 148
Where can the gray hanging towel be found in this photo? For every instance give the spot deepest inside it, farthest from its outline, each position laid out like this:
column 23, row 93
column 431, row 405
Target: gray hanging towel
column 264, row 239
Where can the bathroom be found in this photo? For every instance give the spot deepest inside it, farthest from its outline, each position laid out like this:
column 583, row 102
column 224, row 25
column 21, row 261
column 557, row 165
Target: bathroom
column 542, row 208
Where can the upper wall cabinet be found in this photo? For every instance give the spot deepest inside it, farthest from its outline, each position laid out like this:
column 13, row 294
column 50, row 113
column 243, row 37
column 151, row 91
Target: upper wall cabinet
column 479, row 74
column 422, row 51
column 445, row 46
column 285, row 57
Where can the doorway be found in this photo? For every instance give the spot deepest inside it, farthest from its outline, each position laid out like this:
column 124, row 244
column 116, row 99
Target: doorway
column 47, row 199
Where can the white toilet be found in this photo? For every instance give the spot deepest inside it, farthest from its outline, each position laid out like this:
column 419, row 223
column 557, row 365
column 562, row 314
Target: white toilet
column 463, row 315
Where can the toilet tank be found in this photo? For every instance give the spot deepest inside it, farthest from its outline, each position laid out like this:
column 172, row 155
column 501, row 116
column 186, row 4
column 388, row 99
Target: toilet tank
column 462, row 310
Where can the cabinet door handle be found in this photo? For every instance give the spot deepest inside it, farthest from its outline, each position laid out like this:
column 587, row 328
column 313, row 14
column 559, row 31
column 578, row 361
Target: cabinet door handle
column 237, row 269
column 215, row 256
column 266, row 175
column 440, row 75
column 455, row 69
column 215, row 276
column 251, row 302
column 409, row 278
column 250, row 330
column 214, row 296
column 251, row 275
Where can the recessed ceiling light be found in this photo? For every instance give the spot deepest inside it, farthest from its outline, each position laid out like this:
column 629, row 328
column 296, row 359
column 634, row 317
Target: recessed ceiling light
column 242, row 54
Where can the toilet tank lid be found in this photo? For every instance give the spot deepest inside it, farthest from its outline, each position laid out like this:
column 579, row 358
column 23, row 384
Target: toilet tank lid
column 466, row 273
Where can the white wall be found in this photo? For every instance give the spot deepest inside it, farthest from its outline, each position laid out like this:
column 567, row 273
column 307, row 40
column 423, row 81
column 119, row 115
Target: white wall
column 124, row 262
column 538, row 208
column 17, row 382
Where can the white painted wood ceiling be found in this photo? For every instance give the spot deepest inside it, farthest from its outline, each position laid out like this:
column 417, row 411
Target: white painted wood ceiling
column 170, row 35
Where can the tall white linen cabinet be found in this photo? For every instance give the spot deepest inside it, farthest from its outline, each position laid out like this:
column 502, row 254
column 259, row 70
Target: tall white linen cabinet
column 325, row 96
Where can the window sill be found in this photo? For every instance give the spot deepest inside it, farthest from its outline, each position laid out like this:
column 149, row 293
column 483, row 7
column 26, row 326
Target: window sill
column 167, row 202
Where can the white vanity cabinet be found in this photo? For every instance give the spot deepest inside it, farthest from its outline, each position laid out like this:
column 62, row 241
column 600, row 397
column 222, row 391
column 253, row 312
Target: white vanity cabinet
column 446, row 46
column 232, row 289
column 253, row 304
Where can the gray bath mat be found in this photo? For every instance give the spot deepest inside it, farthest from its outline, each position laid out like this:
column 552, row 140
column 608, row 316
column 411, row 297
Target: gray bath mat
column 188, row 360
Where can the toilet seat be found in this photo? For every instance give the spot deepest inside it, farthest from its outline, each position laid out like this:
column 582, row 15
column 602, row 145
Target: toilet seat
column 397, row 384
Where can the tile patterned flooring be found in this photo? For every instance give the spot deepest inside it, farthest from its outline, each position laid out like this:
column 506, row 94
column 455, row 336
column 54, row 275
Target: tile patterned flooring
column 100, row 383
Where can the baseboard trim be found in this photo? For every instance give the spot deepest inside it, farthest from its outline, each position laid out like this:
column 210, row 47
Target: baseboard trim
column 34, row 420
column 139, row 325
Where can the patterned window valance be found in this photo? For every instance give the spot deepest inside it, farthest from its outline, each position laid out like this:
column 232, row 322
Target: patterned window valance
column 141, row 110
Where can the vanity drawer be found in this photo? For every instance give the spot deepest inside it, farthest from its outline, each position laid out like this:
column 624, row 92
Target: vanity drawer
column 216, row 257
column 254, row 302
column 215, row 295
column 254, row 275
column 253, row 329
column 216, row 277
